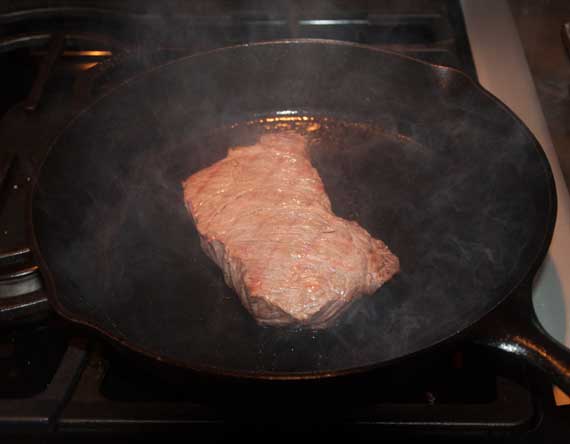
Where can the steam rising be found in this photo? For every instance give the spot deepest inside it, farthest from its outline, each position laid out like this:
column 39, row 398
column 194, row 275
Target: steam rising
column 417, row 155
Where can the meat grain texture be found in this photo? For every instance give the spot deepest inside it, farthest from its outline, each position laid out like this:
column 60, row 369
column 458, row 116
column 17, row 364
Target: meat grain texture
column 265, row 219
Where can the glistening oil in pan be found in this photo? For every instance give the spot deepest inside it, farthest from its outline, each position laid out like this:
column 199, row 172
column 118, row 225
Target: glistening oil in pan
column 356, row 160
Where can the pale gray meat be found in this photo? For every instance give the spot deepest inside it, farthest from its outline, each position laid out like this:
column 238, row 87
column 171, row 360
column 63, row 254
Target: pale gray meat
column 265, row 219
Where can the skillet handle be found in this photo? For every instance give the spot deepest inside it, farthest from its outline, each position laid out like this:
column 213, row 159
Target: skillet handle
column 514, row 328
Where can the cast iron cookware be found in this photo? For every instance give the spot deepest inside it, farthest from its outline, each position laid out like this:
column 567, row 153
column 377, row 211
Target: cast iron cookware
column 424, row 159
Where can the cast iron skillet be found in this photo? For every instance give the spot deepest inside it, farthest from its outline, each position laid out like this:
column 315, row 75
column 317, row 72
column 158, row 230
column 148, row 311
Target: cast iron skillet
column 453, row 182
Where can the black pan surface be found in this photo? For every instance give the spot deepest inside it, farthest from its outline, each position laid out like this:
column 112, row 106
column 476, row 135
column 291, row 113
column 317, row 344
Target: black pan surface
column 419, row 155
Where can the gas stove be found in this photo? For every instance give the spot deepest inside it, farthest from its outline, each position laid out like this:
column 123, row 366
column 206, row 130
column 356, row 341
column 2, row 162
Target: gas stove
column 59, row 382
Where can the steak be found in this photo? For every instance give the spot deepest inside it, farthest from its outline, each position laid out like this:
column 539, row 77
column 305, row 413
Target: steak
column 265, row 219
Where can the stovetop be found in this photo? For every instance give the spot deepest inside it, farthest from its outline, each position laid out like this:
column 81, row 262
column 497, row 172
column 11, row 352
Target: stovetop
column 56, row 380
column 61, row 382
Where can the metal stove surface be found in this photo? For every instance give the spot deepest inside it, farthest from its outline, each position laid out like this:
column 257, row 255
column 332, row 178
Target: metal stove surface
column 61, row 383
